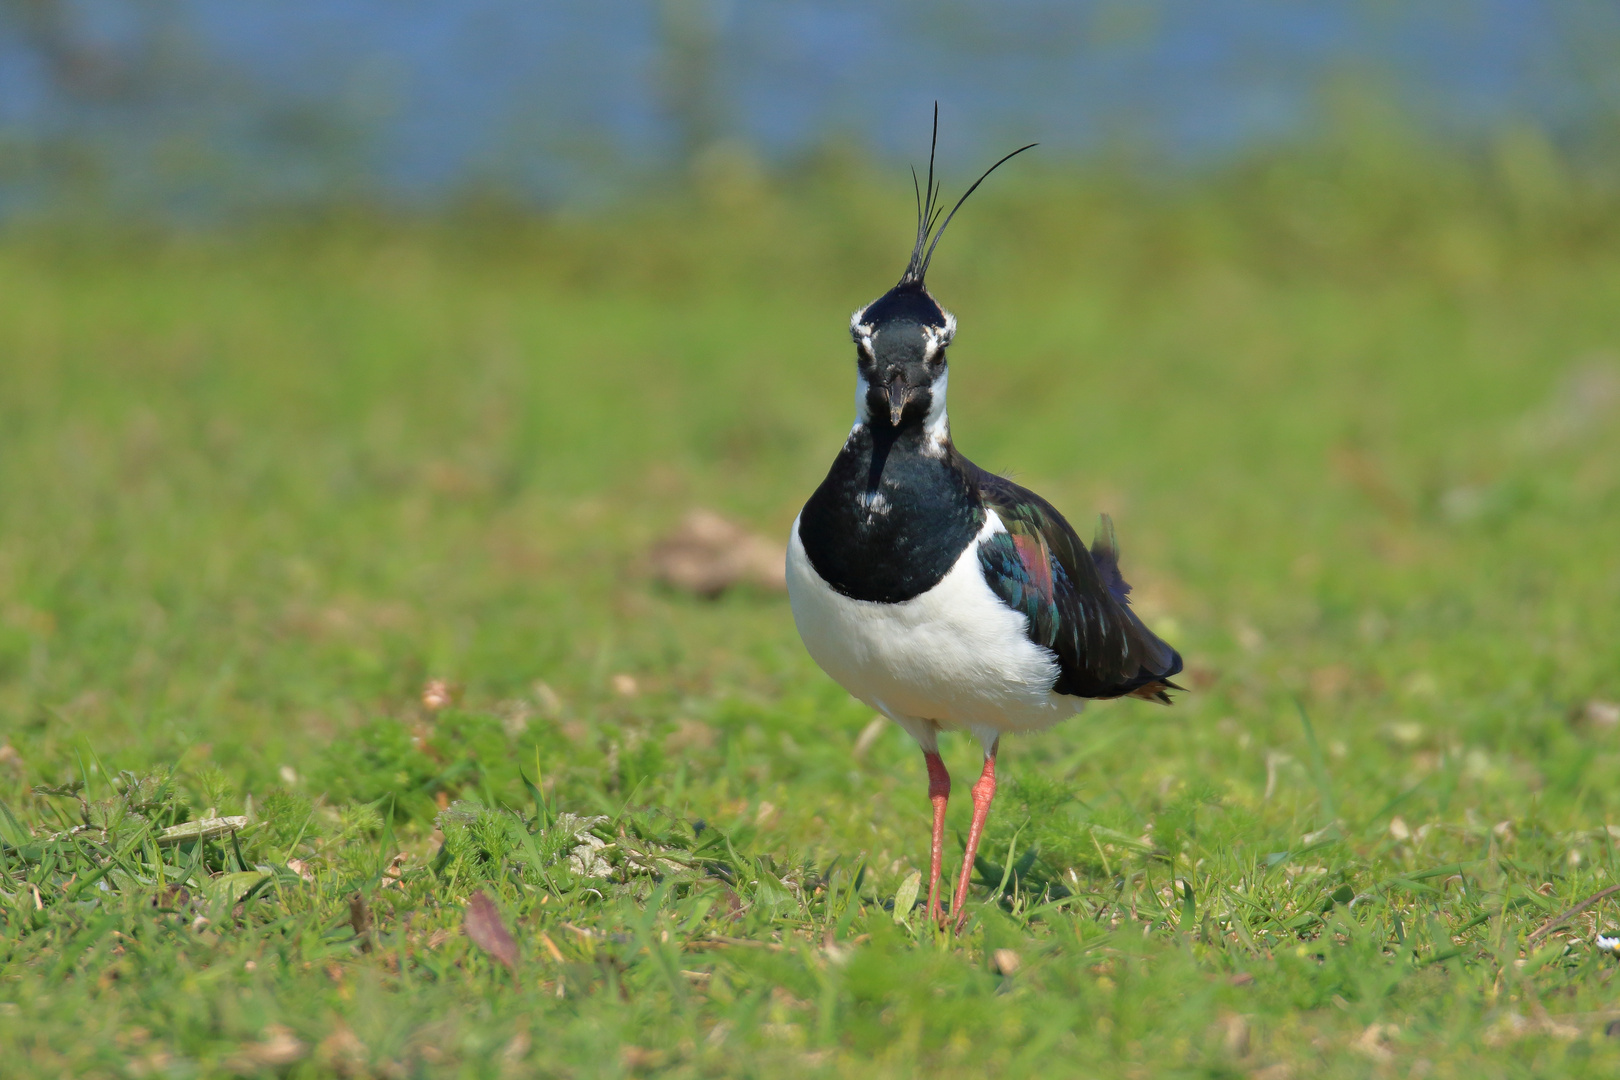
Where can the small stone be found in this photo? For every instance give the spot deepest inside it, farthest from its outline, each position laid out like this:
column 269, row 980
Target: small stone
column 435, row 695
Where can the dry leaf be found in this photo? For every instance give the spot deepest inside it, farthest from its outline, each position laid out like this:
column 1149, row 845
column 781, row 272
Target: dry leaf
column 360, row 919
column 689, row 735
column 639, row 1057
column 707, row 554
column 206, row 829
column 517, row 1048
column 869, row 736
column 1603, row 714
column 483, row 924
column 1373, row 1042
column 1235, row 1034
column 279, row 1046
column 342, row 1052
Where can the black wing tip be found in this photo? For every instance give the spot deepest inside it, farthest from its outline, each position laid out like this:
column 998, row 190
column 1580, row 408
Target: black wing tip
column 1156, row 686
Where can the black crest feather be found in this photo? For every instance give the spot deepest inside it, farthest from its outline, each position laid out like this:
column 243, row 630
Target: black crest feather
column 929, row 209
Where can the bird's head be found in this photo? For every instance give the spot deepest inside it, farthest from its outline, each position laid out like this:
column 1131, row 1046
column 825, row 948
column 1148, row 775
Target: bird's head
column 900, row 341
column 901, row 337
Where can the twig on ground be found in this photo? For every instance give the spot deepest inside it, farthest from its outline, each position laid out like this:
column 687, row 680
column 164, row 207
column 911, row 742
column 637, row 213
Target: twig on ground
column 1554, row 923
column 717, row 941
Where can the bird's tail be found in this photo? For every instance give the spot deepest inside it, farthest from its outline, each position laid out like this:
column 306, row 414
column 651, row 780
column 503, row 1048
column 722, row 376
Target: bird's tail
column 1157, row 690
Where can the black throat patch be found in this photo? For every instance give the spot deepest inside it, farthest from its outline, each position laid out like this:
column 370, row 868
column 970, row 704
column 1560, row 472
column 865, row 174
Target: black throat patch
column 889, row 521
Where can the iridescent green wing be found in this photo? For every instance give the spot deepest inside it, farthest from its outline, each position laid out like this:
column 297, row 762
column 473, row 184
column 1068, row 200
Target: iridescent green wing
column 1076, row 600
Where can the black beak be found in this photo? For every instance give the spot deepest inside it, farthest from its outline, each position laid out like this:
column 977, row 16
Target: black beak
column 899, row 397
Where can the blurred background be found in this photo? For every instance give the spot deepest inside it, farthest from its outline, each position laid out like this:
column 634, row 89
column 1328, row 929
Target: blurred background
column 198, row 108
column 346, row 346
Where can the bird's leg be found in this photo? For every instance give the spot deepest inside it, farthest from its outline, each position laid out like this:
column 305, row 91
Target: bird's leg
column 939, row 793
column 983, row 792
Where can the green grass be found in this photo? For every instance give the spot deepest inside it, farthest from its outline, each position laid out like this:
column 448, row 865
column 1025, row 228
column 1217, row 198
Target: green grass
column 1356, row 419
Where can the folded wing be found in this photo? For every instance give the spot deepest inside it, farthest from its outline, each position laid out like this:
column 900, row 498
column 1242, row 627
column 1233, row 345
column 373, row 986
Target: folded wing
column 1076, row 600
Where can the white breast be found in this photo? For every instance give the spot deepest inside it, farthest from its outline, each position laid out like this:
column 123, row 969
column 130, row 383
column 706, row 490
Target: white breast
column 955, row 657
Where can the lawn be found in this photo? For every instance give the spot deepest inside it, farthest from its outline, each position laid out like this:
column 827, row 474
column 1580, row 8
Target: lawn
column 1356, row 415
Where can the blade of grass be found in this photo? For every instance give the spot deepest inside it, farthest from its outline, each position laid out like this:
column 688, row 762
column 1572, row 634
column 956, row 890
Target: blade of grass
column 111, row 864
column 387, row 844
column 1324, row 786
column 11, row 830
column 1007, row 868
column 542, row 813
column 1389, row 807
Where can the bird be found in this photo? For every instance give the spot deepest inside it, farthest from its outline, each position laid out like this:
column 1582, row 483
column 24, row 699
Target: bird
column 944, row 596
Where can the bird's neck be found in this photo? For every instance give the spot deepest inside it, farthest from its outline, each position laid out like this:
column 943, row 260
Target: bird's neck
column 893, row 514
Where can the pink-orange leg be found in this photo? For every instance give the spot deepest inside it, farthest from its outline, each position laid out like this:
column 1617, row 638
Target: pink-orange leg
column 939, row 793
column 983, row 792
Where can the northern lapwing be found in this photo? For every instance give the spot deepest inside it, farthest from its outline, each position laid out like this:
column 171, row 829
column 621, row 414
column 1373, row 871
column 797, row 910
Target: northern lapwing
column 946, row 597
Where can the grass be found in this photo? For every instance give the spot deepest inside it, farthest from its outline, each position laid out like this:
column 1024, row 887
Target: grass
column 1355, row 418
